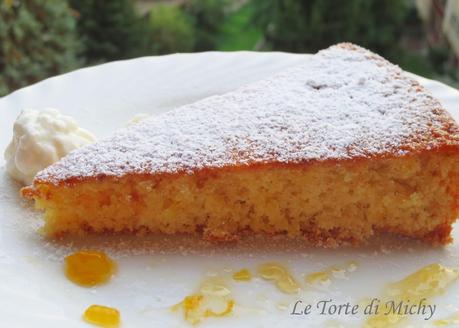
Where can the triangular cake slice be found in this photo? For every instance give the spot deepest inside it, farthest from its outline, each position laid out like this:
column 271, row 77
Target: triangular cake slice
column 336, row 150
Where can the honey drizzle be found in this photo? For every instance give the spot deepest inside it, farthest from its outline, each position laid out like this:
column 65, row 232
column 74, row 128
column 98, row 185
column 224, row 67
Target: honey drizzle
column 324, row 277
column 425, row 283
column 280, row 276
column 199, row 306
column 242, row 275
column 451, row 320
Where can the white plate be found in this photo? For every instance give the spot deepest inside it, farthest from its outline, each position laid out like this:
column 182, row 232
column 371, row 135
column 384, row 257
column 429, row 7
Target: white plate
column 155, row 273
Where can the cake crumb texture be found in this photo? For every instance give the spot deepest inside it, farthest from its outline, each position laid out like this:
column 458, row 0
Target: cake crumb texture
column 329, row 204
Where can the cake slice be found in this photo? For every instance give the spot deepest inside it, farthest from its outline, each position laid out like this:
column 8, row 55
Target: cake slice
column 336, row 150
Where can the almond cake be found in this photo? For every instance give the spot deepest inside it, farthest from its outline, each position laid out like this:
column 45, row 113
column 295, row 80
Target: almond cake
column 337, row 150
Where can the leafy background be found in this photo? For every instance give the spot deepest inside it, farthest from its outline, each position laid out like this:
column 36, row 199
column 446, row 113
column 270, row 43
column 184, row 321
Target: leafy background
column 41, row 38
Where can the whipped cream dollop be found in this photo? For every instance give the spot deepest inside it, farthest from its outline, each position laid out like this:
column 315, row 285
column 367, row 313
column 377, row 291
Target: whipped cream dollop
column 41, row 138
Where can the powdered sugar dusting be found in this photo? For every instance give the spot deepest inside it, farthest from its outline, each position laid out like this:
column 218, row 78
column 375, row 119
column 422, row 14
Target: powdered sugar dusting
column 344, row 102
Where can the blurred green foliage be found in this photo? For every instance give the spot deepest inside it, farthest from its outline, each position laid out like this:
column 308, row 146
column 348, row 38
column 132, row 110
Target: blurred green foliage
column 37, row 39
column 110, row 30
column 171, row 30
column 207, row 17
column 311, row 25
column 193, row 26
column 113, row 30
column 238, row 31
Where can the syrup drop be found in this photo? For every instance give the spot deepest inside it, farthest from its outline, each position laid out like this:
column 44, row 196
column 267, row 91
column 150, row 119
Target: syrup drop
column 102, row 316
column 89, row 268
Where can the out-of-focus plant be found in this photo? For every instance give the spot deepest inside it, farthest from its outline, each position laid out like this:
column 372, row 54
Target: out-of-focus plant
column 207, row 17
column 310, row 25
column 37, row 39
column 171, row 30
column 110, row 30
